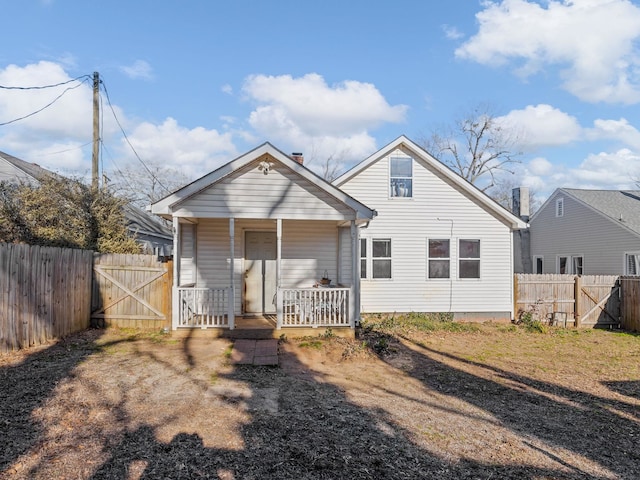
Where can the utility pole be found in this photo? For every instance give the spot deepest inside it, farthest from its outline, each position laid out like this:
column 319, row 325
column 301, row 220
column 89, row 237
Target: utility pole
column 96, row 132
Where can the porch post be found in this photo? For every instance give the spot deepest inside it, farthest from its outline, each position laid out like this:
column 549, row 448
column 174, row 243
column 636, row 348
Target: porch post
column 232, row 289
column 354, row 290
column 175, row 305
column 279, row 313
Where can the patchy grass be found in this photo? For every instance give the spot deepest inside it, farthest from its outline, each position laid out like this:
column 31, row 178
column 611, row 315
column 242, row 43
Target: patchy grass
column 411, row 397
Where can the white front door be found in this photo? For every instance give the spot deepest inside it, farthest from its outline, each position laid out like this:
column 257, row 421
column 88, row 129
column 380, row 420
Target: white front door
column 260, row 272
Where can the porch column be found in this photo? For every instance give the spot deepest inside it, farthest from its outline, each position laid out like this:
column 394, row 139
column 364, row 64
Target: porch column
column 279, row 313
column 354, row 290
column 232, row 288
column 175, row 305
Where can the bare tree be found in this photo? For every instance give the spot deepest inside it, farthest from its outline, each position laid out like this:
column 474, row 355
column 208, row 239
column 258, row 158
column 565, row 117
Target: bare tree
column 478, row 147
column 143, row 186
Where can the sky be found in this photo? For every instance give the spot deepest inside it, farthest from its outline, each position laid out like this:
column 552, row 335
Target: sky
column 193, row 84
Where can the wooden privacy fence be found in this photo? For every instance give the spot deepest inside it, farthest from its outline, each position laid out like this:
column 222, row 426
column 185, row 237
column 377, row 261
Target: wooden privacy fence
column 44, row 294
column 630, row 303
column 131, row 291
column 584, row 300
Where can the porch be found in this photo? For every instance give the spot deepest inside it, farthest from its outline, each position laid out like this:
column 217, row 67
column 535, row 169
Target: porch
column 299, row 308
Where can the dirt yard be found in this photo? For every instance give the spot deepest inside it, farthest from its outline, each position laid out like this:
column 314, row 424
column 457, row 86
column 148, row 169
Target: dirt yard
column 496, row 403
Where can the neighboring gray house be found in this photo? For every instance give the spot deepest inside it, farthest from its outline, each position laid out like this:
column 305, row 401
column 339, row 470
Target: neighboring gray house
column 590, row 232
column 150, row 232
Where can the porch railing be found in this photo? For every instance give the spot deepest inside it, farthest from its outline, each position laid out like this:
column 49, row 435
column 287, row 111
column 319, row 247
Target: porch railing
column 315, row 307
column 203, row 307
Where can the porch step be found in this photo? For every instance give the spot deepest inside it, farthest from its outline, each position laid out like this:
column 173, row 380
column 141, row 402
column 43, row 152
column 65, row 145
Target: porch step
column 255, row 352
column 250, row 333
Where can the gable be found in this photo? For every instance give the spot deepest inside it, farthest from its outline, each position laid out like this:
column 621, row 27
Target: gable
column 264, row 188
column 373, row 177
column 10, row 173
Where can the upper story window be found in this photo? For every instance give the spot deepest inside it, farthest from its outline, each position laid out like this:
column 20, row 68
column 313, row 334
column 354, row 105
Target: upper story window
column 560, row 207
column 469, row 253
column 401, row 177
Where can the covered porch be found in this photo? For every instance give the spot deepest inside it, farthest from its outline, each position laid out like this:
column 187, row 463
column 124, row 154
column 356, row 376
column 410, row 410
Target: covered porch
column 263, row 236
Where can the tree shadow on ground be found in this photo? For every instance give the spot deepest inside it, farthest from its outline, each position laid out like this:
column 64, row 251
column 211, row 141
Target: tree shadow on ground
column 27, row 385
column 299, row 428
column 601, row 429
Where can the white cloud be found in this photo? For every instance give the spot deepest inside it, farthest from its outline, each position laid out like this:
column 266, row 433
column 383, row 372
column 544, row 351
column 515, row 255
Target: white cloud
column 619, row 130
column 139, row 69
column 540, row 166
column 452, row 33
column 226, row 88
column 305, row 112
column 593, row 41
column 194, row 151
column 543, row 125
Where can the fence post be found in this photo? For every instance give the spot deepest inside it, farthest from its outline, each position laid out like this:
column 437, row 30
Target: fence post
column 577, row 300
column 515, row 297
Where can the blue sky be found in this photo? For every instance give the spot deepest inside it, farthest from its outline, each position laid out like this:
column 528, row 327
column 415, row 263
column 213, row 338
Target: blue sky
column 196, row 83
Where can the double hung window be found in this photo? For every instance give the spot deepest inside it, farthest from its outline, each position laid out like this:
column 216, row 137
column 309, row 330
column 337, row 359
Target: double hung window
column 401, row 177
column 469, row 259
column 439, row 254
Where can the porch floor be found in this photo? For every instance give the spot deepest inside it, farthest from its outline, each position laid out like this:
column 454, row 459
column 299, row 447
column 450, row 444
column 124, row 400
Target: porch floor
column 255, row 352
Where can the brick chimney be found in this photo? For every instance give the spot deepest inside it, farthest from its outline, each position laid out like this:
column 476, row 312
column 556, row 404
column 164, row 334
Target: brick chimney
column 298, row 157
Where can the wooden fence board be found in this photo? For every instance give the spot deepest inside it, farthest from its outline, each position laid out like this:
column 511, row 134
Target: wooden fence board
column 131, row 291
column 43, row 294
column 588, row 300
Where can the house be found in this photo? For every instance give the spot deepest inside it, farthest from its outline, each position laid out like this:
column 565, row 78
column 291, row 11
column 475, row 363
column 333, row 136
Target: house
column 153, row 236
column 438, row 244
column 265, row 236
column 587, row 232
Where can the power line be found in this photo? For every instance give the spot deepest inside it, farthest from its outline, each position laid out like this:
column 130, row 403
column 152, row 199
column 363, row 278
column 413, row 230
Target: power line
column 47, row 105
column 127, row 139
column 41, row 87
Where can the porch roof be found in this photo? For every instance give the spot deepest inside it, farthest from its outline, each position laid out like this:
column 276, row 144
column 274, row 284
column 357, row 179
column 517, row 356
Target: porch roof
column 265, row 192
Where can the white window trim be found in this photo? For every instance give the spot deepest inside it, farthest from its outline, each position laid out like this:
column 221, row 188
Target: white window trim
column 393, row 197
column 625, row 264
column 371, row 258
column 573, row 259
column 535, row 263
column 560, row 207
column 570, row 259
column 460, row 257
column 450, row 258
column 365, row 258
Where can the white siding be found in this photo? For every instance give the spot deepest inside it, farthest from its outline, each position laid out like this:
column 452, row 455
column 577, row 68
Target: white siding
column 580, row 231
column 248, row 193
column 308, row 249
column 436, row 210
column 187, row 254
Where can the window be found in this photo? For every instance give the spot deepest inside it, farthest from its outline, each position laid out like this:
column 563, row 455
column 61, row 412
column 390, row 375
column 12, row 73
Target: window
column 538, row 264
column 439, row 257
column 363, row 258
column 469, row 258
column 563, row 265
column 576, row 265
column 381, row 258
column 401, row 177
column 632, row 264
column 560, row 207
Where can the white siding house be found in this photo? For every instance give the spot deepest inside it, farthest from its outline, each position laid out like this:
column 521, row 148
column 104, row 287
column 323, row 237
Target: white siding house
column 589, row 232
column 257, row 237
column 438, row 244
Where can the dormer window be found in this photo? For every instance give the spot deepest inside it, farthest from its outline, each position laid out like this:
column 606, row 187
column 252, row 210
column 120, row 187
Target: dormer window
column 401, row 177
column 560, row 207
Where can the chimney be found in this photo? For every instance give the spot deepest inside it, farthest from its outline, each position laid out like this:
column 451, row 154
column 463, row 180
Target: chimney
column 298, row 157
column 520, row 202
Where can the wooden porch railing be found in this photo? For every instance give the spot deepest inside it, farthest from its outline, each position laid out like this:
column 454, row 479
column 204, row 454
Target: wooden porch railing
column 315, row 307
column 203, row 307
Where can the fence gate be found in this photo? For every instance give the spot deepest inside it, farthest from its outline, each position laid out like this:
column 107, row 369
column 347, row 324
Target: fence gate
column 598, row 300
column 131, row 291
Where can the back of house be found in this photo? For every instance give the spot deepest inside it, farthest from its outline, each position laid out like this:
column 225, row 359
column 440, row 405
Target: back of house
column 437, row 244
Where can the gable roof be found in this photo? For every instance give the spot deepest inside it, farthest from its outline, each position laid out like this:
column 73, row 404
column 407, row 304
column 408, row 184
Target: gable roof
column 166, row 205
column 430, row 162
column 32, row 170
column 620, row 206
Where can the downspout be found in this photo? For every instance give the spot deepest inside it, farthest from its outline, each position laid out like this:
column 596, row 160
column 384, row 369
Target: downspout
column 450, row 276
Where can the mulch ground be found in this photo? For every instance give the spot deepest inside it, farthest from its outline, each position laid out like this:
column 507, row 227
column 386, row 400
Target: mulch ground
column 499, row 403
